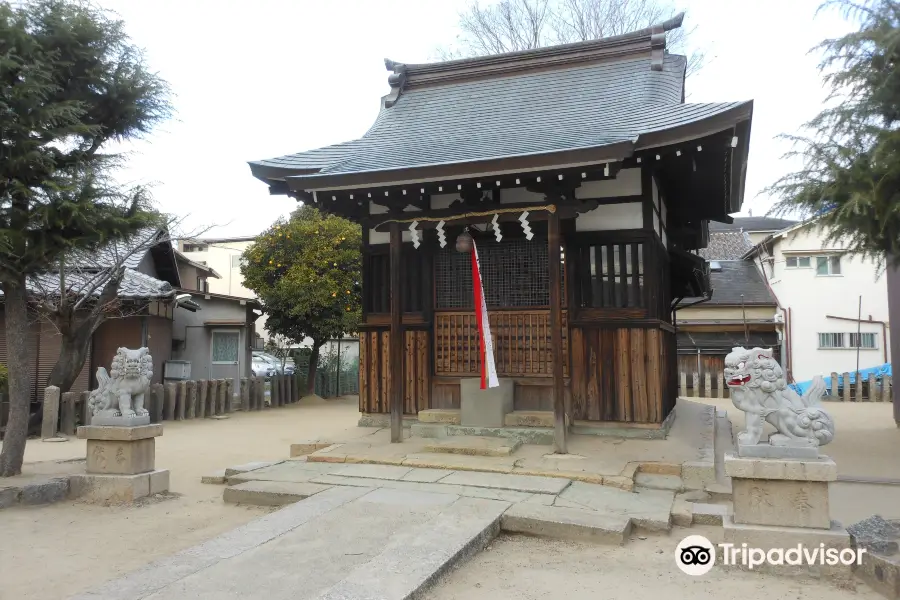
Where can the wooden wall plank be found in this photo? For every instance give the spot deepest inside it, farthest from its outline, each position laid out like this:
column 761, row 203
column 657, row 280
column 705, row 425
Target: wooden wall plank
column 375, row 373
column 623, row 375
column 409, row 373
column 592, row 338
column 654, row 376
column 638, row 375
column 384, row 401
column 579, row 376
column 364, row 372
column 608, row 408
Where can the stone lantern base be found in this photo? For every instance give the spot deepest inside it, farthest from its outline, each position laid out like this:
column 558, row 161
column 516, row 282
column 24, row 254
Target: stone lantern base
column 121, row 464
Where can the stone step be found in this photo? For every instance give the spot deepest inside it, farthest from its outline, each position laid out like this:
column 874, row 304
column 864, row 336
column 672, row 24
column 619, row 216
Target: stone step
column 270, row 493
column 566, row 523
column 708, row 514
column 215, row 478
column 441, row 416
column 529, row 418
column 246, row 468
column 655, row 481
column 474, row 446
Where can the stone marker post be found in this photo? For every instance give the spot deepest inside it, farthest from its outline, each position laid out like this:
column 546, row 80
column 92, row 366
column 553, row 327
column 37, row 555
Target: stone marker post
column 260, row 393
column 846, row 379
column 67, row 417
column 707, row 384
column 181, row 406
column 158, row 393
column 276, row 391
column 721, row 384
column 85, row 408
column 682, row 379
column 885, row 388
column 873, row 391
column 285, row 390
column 192, row 400
column 50, row 416
column 171, row 392
column 696, row 382
column 245, row 394
column 292, row 386
column 834, row 386
column 203, row 386
column 229, row 395
column 859, row 388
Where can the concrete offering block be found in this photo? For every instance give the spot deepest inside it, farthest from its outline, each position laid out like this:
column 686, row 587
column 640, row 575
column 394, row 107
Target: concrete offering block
column 485, row 408
column 181, row 401
column 821, row 469
column 203, row 392
column 171, row 392
column 121, row 457
column 566, row 523
column 766, row 537
column 126, row 434
column 50, row 412
column 445, row 416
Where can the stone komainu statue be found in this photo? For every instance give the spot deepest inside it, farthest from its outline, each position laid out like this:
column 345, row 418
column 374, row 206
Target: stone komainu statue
column 758, row 388
column 121, row 391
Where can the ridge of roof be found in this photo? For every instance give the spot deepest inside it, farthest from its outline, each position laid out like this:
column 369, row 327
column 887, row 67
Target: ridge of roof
column 179, row 255
column 650, row 40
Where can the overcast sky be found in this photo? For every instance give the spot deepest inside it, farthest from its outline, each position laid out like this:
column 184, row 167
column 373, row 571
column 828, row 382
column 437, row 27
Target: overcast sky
column 262, row 78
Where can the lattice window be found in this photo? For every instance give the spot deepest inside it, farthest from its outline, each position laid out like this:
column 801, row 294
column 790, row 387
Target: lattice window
column 612, row 276
column 514, row 274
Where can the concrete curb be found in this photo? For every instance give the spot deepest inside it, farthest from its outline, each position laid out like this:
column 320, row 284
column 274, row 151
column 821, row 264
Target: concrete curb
column 52, row 490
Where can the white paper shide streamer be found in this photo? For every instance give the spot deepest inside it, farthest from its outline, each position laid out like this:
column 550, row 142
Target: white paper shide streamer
column 496, row 227
column 526, row 228
column 442, row 237
column 414, row 234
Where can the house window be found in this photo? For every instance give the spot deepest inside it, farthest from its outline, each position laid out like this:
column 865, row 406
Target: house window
column 867, row 339
column 202, row 284
column 831, row 340
column 195, row 248
column 828, row 265
column 798, row 262
column 225, row 346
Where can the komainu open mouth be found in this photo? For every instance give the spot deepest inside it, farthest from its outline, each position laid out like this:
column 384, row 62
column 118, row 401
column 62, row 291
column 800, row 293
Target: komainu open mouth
column 739, row 380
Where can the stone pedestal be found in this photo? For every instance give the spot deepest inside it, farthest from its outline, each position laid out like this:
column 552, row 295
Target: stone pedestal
column 485, row 408
column 120, row 464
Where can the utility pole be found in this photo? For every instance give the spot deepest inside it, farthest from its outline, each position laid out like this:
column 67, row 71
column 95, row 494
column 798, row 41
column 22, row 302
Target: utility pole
column 858, row 335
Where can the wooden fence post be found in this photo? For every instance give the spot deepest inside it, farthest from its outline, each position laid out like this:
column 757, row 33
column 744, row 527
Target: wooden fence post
column 707, row 385
column 50, row 416
column 859, row 387
column 220, row 396
column 191, row 412
column 67, row 417
column 181, row 401
column 229, row 395
column 213, row 397
column 276, row 391
column 835, row 390
column 696, row 382
column 254, row 393
column 682, row 376
column 873, row 392
column 721, row 383
column 158, row 393
column 203, row 387
column 846, row 380
column 245, row 394
column 295, row 397
column 886, row 388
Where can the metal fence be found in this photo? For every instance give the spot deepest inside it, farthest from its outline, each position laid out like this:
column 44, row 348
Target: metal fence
column 336, row 375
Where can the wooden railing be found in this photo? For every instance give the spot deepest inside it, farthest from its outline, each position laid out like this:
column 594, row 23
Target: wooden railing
column 522, row 346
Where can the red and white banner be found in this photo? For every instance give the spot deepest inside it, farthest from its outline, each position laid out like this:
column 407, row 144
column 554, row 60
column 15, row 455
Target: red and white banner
column 488, row 368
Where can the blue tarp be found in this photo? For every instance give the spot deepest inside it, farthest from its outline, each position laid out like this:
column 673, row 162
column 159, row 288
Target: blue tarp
column 879, row 372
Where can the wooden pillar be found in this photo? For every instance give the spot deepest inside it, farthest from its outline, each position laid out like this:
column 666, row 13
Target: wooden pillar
column 560, row 426
column 395, row 377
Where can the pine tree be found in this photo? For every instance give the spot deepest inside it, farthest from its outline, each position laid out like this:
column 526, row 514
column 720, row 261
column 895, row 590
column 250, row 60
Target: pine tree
column 71, row 82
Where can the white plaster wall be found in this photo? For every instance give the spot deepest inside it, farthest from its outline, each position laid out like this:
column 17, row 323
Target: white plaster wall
column 384, row 237
column 811, row 297
column 626, row 183
column 627, row 215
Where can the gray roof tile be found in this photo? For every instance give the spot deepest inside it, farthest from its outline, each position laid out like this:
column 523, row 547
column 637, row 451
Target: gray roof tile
column 752, row 224
column 739, row 277
column 135, row 285
column 726, row 245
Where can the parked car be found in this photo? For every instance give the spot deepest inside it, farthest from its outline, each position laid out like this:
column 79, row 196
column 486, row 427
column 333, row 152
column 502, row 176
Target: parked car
column 262, row 368
column 287, row 369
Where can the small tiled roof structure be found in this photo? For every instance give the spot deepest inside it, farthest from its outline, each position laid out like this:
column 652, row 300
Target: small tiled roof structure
column 752, row 224
column 738, row 278
column 726, row 245
column 590, row 102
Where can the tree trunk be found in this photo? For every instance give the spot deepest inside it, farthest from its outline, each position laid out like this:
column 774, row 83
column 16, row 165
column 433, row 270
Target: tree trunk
column 72, row 356
column 13, row 453
column 311, row 372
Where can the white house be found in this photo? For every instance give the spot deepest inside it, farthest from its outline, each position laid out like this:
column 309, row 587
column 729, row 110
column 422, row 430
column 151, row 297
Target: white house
column 833, row 303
